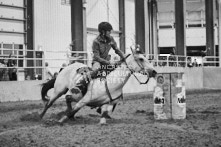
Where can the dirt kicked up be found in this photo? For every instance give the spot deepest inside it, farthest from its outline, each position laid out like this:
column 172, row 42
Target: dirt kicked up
column 132, row 124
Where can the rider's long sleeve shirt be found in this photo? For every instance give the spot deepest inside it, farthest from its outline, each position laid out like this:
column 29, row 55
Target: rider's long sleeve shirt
column 101, row 50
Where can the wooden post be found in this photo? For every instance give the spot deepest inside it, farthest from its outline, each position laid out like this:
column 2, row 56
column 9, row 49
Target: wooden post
column 140, row 24
column 30, row 38
column 180, row 27
column 77, row 25
column 122, row 24
column 209, row 28
column 219, row 14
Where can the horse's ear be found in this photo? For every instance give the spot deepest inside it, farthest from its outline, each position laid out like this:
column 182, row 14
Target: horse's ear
column 138, row 50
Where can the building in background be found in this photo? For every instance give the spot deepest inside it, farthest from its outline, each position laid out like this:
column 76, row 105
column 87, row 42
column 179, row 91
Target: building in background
column 195, row 26
column 35, row 26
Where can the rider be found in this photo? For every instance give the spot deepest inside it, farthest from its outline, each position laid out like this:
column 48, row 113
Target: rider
column 101, row 47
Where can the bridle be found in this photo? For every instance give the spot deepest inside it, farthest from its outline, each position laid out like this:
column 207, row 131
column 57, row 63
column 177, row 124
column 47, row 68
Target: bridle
column 133, row 71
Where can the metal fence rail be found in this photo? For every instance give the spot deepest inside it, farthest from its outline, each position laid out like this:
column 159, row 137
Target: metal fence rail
column 183, row 61
column 30, row 64
column 31, row 61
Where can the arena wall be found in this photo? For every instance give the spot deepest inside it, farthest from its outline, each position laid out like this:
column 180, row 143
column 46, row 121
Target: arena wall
column 195, row 78
column 20, row 90
column 212, row 78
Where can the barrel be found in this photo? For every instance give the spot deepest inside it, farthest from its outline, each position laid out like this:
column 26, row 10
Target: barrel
column 178, row 96
column 169, row 96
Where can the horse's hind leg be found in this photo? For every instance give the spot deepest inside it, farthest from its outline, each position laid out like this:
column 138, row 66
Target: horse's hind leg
column 70, row 97
column 49, row 104
column 54, row 97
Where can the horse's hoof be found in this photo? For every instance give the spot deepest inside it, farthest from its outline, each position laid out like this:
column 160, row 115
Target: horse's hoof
column 55, row 122
column 50, row 122
column 99, row 110
column 62, row 120
column 60, row 123
column 103, row 121
column 108, row 117
column 40, row 116
column 103, row 124
column 45, row 102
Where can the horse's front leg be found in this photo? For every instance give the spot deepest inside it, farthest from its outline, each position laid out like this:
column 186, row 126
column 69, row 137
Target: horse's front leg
column 104, row 113
column 76, row 108
column 69, row 100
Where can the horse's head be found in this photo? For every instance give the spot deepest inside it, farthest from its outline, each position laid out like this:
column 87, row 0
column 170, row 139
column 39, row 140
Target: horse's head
column 137, row 62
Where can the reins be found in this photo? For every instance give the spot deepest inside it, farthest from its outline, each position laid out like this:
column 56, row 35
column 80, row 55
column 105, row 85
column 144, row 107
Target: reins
column 132, row 72
column 106, row 86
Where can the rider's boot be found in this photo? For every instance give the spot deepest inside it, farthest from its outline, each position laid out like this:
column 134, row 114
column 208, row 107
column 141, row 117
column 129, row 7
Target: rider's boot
column 81, row 86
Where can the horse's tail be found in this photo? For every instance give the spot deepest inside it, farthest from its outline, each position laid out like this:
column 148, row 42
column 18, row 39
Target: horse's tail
column 45, row 88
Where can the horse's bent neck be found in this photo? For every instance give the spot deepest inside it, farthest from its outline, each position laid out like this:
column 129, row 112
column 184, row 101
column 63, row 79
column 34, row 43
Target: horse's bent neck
column 120, row 75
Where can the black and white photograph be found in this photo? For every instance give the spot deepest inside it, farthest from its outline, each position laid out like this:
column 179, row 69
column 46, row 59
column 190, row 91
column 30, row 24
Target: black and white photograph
column 110, row 73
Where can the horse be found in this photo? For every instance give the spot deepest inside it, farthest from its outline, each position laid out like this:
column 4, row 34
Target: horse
column 104, row 94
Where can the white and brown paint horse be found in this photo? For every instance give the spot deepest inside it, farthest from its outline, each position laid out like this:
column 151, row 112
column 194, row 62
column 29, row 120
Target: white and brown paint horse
column 97, row 94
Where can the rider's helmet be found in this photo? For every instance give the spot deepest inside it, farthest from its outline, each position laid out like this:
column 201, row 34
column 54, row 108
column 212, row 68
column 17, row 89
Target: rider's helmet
column 104, row 26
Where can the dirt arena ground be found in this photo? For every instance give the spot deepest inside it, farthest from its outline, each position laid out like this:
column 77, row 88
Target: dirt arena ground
column 132, row 124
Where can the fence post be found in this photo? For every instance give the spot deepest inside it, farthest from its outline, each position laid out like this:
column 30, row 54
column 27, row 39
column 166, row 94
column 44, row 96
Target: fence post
column 43, row 65
column 2, row 48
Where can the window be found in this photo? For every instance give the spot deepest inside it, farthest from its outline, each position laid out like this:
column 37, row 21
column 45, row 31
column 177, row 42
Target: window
column 7, row 49
column 195, row 19
column 65, row 2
